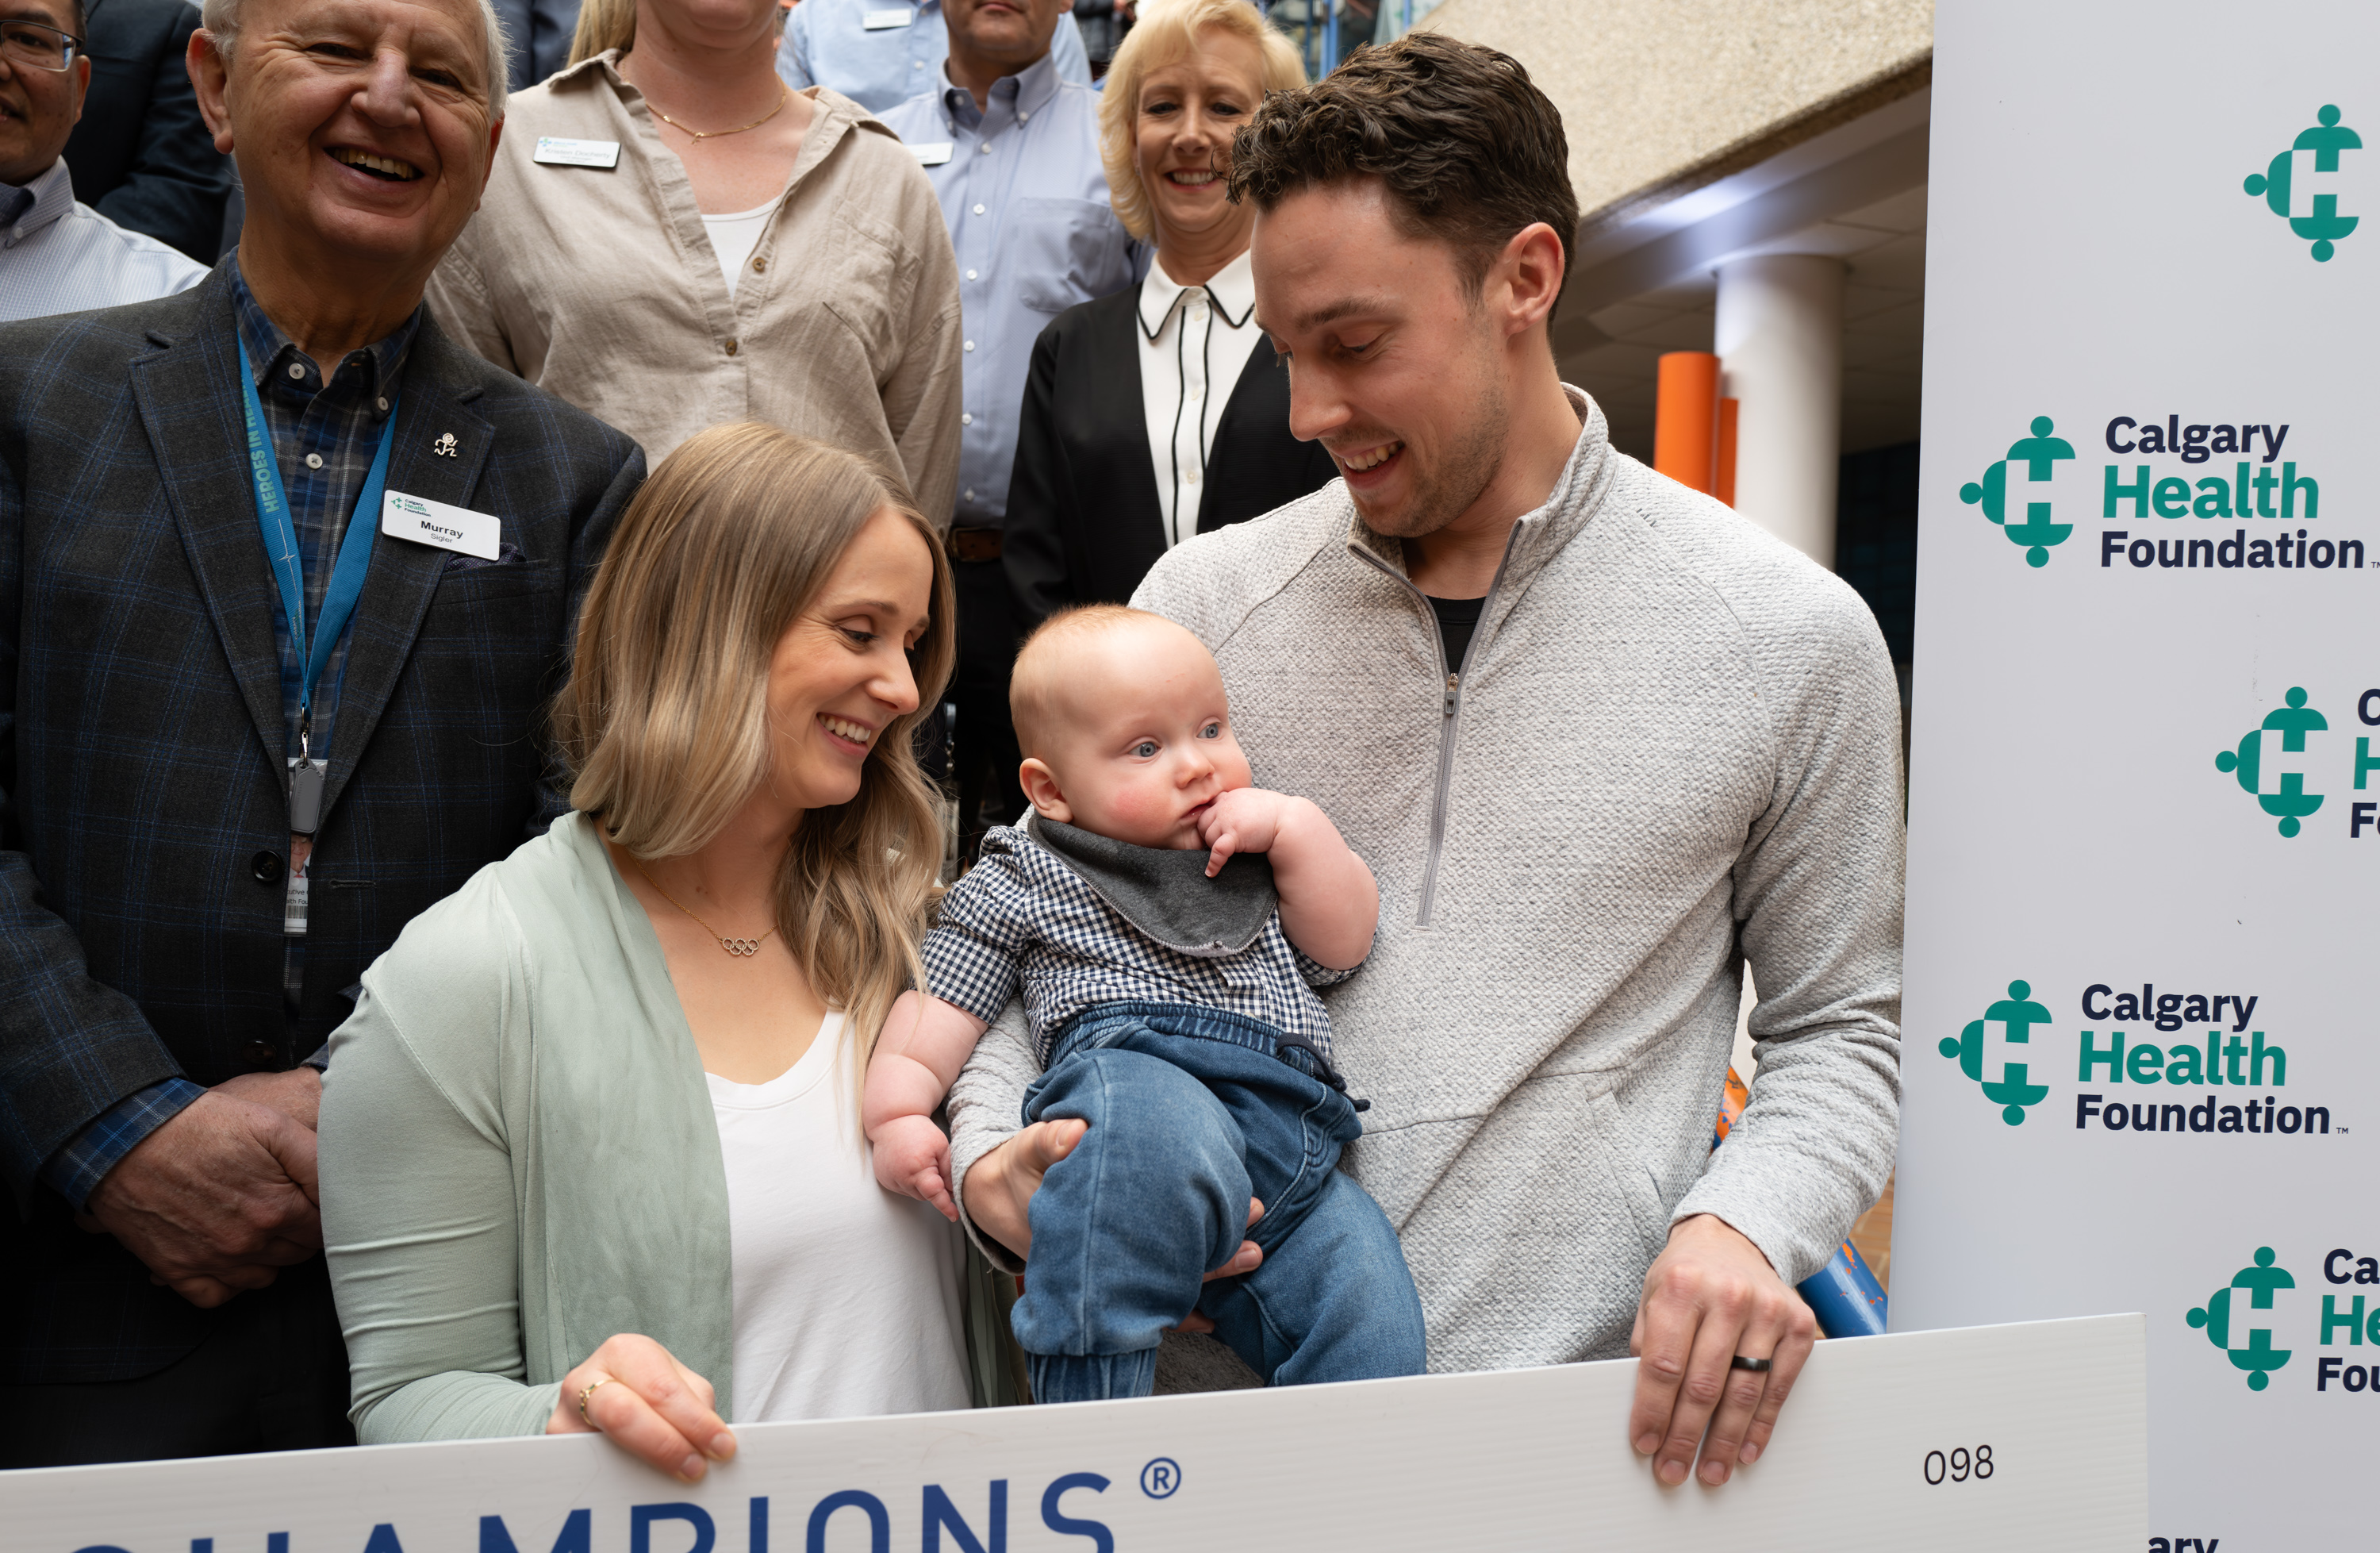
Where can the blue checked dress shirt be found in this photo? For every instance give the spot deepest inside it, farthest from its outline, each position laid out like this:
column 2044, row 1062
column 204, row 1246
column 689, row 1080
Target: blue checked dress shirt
column 324, row 438
column 58, row 256
column 830, row 43
column 1022, row 919
column 1026, row 200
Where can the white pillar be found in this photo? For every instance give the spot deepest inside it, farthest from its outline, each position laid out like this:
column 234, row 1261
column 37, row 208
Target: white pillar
column 1778, row 337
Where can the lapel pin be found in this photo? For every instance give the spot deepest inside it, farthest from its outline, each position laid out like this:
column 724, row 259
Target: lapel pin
column 445, row 445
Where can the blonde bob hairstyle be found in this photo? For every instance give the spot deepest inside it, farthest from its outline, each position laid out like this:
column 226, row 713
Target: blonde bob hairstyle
column 1167, row 31
column 664, row 723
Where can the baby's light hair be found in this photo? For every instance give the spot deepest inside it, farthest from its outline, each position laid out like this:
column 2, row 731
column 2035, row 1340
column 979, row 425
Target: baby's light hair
column 1036, row 685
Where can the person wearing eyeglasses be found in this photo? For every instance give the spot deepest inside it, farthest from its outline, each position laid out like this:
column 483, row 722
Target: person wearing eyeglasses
column 57, row 255
column 287, row 584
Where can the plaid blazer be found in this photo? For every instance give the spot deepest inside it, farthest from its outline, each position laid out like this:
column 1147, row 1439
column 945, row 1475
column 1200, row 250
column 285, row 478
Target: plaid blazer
column 142, row 775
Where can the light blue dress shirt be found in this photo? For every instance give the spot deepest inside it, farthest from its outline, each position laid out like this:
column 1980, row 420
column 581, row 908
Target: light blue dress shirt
column 57, row 256
column 1026, row 200
column 830, row 43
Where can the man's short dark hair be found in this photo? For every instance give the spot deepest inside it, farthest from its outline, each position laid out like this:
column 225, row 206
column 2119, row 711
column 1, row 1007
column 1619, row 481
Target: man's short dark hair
column 1468, row 146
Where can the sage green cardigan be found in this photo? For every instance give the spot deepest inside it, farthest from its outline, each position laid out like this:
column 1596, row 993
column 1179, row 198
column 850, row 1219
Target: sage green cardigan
column 519, row 1159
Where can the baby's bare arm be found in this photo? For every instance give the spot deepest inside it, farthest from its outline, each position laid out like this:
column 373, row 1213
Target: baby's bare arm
column 925, row 1044
column 1329, row 903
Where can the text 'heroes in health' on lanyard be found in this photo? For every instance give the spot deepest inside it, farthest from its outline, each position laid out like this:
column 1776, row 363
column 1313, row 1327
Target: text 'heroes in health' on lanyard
column 338, row 602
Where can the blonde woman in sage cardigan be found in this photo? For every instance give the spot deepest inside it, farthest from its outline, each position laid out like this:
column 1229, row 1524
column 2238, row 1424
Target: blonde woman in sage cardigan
column 590, row 1148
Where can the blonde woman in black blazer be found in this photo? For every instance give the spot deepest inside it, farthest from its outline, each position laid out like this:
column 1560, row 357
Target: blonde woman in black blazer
column 1091, row 503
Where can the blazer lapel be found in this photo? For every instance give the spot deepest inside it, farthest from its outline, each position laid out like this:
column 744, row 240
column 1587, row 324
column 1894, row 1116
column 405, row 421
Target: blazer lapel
column 1259, row 398
column 431, row 408
column 1123, row 412
column 189, row 398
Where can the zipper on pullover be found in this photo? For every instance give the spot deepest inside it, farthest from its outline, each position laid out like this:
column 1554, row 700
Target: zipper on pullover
column 1451, row 712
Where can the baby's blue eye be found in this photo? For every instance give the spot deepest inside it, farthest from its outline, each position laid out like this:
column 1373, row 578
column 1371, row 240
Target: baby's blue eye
column 1144, row 748
column 1212, row 730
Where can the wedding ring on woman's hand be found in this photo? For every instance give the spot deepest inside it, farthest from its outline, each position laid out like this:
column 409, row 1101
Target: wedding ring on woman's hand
column 607, row 1379
column 1738, row 1363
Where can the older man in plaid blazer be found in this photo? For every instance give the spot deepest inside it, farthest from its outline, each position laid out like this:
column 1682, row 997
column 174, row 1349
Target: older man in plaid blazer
column 255, row 713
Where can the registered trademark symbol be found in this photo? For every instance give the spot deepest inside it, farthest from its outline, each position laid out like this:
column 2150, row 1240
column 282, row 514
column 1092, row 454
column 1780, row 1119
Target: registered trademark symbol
column 1160, row 1479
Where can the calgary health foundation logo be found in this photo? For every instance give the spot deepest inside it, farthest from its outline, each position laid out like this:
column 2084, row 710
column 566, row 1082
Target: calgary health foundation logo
column 2261, row 763
column 2030, row 466
column 2233, row 1327
column 2290, row 182
column 2016, row 1015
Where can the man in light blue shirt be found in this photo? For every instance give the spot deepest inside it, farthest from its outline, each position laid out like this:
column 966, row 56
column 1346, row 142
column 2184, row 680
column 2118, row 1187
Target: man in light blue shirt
column 57, row 255
column 881, row 52
column 1012, row 151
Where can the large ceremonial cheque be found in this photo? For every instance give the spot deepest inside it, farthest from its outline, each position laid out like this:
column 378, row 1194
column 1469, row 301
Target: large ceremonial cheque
column 2014, row 1436
column 2144, row 823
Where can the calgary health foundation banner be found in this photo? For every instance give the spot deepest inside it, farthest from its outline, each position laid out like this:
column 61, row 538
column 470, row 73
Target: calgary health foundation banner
column 2145, row 848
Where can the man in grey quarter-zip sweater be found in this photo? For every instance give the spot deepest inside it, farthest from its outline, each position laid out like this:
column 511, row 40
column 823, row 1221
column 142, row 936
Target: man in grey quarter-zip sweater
column 1666, row 745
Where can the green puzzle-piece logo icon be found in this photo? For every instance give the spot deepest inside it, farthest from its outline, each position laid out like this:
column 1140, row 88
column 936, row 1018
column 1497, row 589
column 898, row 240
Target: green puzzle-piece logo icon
column 2258, row 1356
column 2292, row 721
column 2325, row 226
column 2010, row 1091
column 2038, row 454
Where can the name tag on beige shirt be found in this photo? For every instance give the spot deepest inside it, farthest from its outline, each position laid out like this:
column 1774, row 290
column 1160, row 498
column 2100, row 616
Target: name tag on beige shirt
column 558, row 151
column 445, row 528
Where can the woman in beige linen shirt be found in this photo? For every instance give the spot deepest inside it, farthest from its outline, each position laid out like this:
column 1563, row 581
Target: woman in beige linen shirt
column 756, row 253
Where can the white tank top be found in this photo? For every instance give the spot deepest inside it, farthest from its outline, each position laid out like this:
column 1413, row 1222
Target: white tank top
column 733, row 237
column 847, row 1297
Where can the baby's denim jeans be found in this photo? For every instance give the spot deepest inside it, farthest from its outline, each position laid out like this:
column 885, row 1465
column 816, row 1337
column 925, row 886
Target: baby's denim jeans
column 1192, row 1112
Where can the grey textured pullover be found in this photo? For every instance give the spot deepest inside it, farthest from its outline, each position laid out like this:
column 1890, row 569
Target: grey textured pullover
column 1672, row 747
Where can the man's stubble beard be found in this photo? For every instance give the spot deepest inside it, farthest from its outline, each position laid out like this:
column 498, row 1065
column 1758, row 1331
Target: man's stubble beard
column 1442, row 493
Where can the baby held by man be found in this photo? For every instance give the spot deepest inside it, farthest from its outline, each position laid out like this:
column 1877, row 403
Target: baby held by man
column 1166, row 923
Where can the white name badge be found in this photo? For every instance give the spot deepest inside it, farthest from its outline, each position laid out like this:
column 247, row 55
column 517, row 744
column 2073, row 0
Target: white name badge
column 889, row 16
column 446, row 528
column 557, row 152
column 932, row 153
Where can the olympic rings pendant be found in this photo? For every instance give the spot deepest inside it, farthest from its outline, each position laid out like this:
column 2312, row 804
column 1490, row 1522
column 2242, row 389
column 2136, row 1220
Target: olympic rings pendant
column 742, row 949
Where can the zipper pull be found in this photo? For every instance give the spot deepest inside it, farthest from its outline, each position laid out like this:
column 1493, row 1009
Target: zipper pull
column 1452, row 682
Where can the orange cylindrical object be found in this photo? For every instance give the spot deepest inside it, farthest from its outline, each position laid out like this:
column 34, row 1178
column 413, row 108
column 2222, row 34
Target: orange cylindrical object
column 1686, row 419
column 1724, row 488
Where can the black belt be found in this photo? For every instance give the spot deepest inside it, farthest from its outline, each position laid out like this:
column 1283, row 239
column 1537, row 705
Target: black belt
column 974, row 545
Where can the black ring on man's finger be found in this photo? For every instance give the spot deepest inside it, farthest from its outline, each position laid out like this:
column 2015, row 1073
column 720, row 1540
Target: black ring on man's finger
column 1756, row 1365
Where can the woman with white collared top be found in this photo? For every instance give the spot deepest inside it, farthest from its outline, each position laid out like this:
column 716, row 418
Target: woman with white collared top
column 1159, row 412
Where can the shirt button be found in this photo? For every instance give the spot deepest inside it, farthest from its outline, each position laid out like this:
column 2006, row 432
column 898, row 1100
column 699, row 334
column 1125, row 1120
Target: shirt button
column 916, row 64
column 985, row 148
column 383, row 406
column 731, row 347
column 970, row 274
column 970, row 495
column 262, row 1054
column 265, row 868
column 296, row 373
column 978, row 210
column 1023, row 117
column 967, row 420
column 313, row 461
column 970, row 345
column 760, row 266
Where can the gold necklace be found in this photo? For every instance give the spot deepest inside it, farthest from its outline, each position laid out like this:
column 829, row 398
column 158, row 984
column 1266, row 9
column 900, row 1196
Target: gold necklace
column 784, row 97
column 742, row 949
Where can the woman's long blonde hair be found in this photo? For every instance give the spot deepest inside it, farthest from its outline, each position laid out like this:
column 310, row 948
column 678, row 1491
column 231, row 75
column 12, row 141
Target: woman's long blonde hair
column 666, row 721
column 604, row 24
column 1168, row 30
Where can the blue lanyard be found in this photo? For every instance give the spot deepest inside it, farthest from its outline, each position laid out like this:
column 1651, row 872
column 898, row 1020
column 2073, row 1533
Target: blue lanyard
column 281, row 546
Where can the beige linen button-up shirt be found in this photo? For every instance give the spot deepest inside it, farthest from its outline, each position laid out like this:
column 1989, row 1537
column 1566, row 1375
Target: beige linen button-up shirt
column 600, row 286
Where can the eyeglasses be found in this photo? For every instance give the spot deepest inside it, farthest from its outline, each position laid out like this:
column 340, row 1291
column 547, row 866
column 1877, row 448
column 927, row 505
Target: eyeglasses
column 36, row 47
